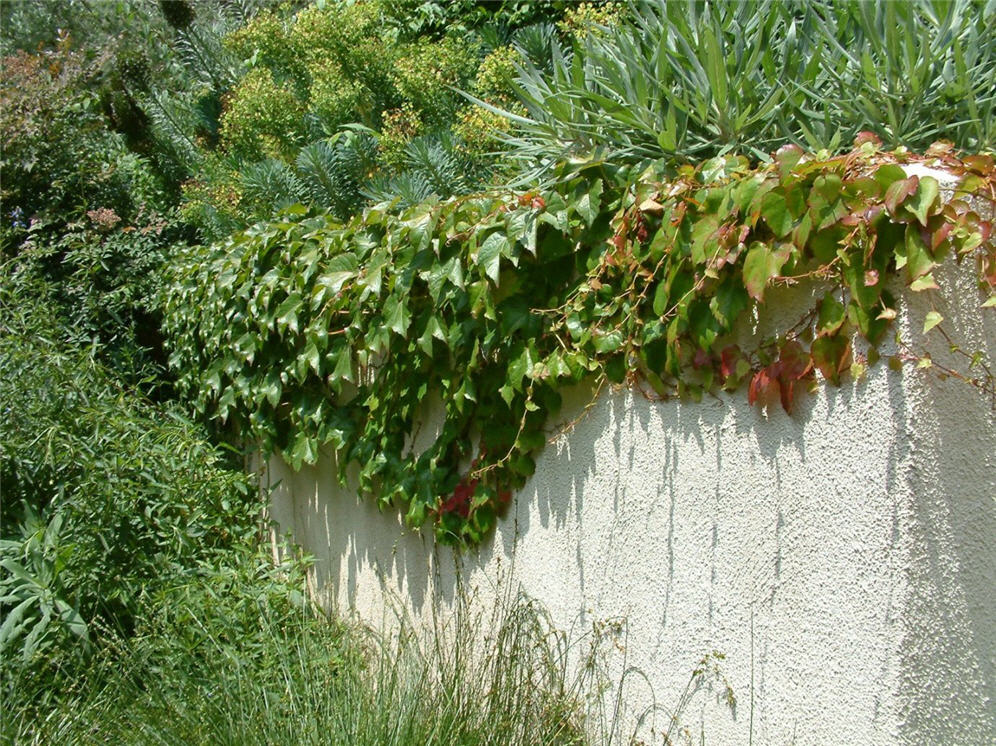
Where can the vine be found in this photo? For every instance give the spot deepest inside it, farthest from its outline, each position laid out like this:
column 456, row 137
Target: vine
column 304, row 332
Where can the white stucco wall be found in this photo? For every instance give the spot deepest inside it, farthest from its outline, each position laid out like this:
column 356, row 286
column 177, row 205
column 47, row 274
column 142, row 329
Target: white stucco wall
column 843, row 558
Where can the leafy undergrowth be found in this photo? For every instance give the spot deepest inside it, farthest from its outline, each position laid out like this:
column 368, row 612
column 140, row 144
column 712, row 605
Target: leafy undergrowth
column 303, row 332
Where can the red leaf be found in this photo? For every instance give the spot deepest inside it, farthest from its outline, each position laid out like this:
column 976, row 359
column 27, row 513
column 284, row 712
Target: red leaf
column 762, row 386
column 985, row 229
column 980, row 164
column 728, row 359
column 938, row 236
column 898, row 191
column 786, row 390
column 866, row 136
column 459, row 501
column 793, row 361
column 787, row 157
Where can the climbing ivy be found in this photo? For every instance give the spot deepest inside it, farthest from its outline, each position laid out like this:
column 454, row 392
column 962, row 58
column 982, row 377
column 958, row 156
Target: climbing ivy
column 304, row 332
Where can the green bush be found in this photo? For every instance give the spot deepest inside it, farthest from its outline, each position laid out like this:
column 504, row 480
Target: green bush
column 59, row 158
column 262, row 118
column 426, row 72
column 106, row 496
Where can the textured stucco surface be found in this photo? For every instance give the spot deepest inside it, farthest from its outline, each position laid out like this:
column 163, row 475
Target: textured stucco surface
column 843, row 558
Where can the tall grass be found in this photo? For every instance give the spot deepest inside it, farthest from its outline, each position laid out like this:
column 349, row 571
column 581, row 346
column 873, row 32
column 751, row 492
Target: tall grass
column 302, row 679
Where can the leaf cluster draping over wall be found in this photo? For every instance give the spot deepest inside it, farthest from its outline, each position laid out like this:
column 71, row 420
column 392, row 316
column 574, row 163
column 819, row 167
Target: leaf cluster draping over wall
column 303, row 332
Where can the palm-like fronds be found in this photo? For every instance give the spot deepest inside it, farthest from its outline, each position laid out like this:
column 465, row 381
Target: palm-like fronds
column 436, row 159
column 334, row 171
column 271, row 185
column 404, row 190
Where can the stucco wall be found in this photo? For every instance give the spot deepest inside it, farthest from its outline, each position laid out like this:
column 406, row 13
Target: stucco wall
column 843, row 558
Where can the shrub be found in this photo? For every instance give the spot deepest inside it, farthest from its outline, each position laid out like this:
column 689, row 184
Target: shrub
column 425, row 73
column 262, row 117
column 59, row 159
column 113, row 494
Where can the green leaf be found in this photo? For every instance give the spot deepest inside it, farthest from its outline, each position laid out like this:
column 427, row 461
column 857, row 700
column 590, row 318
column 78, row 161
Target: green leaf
column 661, row 297
column 522, row 464
column 608, row 342
column 396, row 315
column 744, row 193
column 776, row 214
column 933, row 319
column 926, row 282
column 312, row 357
column 898, row 192
column 520, row 367
column 287, row 312
column 433, row 330
column 918, row 259
column 304, row 450
column 888, row 175
column 923, row 202
column 704, row 241
column 271, row 387
column 590, row 202
column 729, row 301
column 490, row 253
column 12, row 625
column 72, row 619
column 831, row 355
column 832, row 315
column 343, row 370
column 333, row 281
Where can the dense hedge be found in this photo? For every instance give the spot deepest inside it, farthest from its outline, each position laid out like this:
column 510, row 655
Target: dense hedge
column 304, row 332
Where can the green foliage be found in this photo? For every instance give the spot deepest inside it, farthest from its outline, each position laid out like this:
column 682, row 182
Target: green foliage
column 87, row 211
column 231, row 611
column 400, row 126
column 585, row 18
column 261, row 117
column 351, row 109
column 425, row 74
column 112, row 494
column 100, row 277
column 346, row 43
column 496, row 75
column 31, row 590
column 304, row 333
column 410, row 19
column 688, row 81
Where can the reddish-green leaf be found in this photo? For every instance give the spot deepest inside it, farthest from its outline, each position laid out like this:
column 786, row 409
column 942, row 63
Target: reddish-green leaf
column 761, row 264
